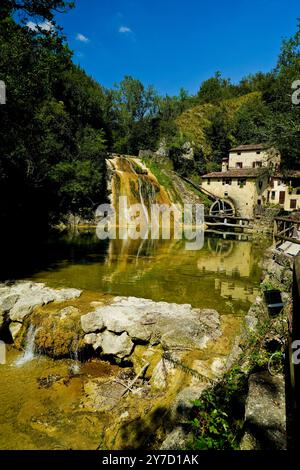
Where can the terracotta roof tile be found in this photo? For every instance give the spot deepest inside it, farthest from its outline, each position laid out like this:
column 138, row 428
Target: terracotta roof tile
column 239, row 173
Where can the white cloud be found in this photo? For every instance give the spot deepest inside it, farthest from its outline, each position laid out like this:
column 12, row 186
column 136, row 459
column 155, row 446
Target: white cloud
column 82, row 38
column 125, row 29
column 45, row 26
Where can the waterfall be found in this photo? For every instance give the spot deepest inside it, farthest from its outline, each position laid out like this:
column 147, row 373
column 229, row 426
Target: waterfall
column 140, row 183
column 75, row 367
column 131, row 178
column 29, row 349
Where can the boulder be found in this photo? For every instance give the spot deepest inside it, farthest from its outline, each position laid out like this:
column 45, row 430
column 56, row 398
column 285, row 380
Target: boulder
column 116, row 345
column 111, row 344
column 162, row 374
column 2, row 319
column 184, row 402
column 178, row 439
column 14, row 329
column 145, row 321
column 265, row 414
column 188, row 151
column 7, row 302
column 94, row 340
column 34, row 295
column 92, row 322
column 68, row 311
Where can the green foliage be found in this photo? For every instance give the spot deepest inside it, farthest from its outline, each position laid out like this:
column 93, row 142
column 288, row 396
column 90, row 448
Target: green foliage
column 134, row 108
column 219, row 413
column 164, row 178
column 36, row 8
column 53, row 134
column 216, row 89
column 58, row 122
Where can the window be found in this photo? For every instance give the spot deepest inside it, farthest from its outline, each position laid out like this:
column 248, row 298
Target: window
column 273, row 195
column 258, row 164
column 239, row 165
column 239, row 153
column 225, row 194
column 293, row 203
column 242, row 182
column 227, row 181
column 258, row 153
column 253, row 165
column 208, row 180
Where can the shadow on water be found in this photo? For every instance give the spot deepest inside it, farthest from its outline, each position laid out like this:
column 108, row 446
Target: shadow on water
column 25, row 256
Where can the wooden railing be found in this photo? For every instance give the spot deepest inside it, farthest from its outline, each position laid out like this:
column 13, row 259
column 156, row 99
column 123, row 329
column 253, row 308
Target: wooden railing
column 285, row 229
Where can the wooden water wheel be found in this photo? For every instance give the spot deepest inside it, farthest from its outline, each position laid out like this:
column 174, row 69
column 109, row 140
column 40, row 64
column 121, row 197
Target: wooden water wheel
column 222, row 208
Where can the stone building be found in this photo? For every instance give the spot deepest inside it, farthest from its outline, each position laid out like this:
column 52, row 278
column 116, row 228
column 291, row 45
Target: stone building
column 246, row 182
column 284, row 190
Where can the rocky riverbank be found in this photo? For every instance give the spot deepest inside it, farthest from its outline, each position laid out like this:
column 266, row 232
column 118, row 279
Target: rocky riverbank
column 166, row 353
column 163, row 356
column 252, row 397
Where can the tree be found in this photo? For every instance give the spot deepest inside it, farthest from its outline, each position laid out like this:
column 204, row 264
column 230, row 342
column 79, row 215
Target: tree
column 284, row 123
column 135, row 109
column 250, row 123
column 52, row 137
column 218, row 134
column 215, row 89
column 37, row 8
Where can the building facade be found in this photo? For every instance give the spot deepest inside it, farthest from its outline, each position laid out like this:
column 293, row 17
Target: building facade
column 284, row 190
column 246, row 181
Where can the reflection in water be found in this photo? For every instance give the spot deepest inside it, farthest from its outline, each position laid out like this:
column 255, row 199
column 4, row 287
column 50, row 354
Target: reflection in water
column 41, row 402
column 235, row 259
column 161, row 270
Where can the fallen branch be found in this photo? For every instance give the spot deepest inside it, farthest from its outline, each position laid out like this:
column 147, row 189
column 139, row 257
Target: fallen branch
column 142, row 371
column 124, row 385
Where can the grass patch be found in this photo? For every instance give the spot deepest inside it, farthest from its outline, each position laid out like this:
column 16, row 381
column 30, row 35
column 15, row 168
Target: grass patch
column 160, row 171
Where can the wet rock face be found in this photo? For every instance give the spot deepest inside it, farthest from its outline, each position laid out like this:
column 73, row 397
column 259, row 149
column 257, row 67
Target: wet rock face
column 34, row 295
column 7, row 301
column 19, row 299
column 130, row 320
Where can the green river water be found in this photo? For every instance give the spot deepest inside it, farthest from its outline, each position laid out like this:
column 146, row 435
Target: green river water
column 224, row 275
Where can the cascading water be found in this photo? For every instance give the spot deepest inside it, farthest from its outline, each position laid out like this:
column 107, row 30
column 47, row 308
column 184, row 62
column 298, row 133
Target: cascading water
column 132, row 179
column 29, row 351
column 75, row 366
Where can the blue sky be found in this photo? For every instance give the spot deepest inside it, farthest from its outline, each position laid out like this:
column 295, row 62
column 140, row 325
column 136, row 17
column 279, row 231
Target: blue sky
column 177, row 43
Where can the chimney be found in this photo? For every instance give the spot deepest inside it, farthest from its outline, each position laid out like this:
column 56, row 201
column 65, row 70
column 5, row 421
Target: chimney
column 225, row 164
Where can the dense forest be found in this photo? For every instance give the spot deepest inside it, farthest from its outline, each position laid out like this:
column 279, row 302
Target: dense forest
column 58, row 123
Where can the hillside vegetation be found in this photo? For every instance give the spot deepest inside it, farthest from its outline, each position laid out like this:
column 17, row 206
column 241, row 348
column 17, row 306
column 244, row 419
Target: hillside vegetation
column 196, row 122
column 58, row 124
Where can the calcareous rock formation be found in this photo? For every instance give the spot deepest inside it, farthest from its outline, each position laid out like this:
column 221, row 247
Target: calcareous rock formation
column 114, row 329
